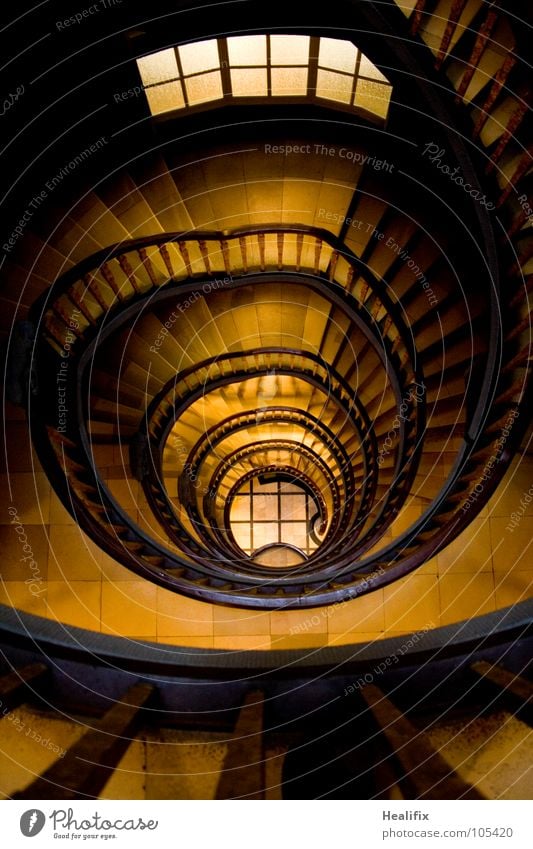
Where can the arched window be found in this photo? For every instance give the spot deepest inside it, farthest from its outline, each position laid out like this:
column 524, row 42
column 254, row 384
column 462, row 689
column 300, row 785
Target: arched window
column 253, row 67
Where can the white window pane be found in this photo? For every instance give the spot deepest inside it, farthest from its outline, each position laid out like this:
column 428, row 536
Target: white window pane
column 204, row 88
column 374, row 97
column 201, row 56
column 367, row 69
column 337, row 54
column 289, row 49
column 158, row 67
column 289, row 82
column 334, row 86
column 165, row 98
column 249, row 82
column 247, row 50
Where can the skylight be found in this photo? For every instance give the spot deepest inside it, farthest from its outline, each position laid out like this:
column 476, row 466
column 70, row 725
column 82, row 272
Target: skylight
column 252, row 67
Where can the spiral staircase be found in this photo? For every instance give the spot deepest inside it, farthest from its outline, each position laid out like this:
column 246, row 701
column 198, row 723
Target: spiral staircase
column 323, row 342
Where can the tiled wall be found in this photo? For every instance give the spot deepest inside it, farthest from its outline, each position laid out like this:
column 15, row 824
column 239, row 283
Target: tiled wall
column 66, row 577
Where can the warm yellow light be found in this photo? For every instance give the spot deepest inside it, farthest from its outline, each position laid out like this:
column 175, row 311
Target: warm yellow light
column 247, row 50
column 249, row 82
column 242, row 535
column 204, row 87
column 289, row 49
column 165, row 98
column 334, row 86
column 200, row 56
column 295, row 533
column 289, row 82
column 254, row 66
column 337, row 55
column 368, row 69
column 158, row 67
column 373, row 96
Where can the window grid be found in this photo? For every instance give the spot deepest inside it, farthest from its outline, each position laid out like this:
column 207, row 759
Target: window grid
column 224, row 86
column 285, row 520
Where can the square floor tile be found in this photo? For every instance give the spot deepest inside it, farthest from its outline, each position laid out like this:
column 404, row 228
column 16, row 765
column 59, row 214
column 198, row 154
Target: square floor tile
column 24, row 553
column 515, row 485
column 513, row 587
column 75, row 603
column 129, row 608
column 228, row 621
column 18, row 595
column 412, row 603
column 72, row 555
column 512, row 549
column 179, row 616
column 299, row 622
column 466, row 596
column 364, row 613
column 470, row 552
column 28, row 494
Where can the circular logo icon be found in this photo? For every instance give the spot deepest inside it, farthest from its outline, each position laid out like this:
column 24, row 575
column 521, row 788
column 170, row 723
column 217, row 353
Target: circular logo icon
column 32, row 822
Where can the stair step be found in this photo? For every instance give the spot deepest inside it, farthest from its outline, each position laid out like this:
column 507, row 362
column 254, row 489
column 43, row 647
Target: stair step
column 420, row 765
column 86, row 767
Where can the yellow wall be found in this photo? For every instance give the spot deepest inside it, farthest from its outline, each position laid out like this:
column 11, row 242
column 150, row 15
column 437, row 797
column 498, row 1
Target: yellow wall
column 488, row 567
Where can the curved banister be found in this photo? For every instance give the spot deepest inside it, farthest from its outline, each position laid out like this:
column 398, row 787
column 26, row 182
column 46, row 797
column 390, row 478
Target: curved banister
column 32, row 633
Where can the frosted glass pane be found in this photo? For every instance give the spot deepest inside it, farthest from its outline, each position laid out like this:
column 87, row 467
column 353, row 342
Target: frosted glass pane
column 158, row 67
column 247, row 50
column 334, row 86
column 201, row 56
column 368, row 69
column 265, row 508
column 242, row 535
column 337, row 55
column 240, row 509
column 164, row 98
column 265, row 533
column 294, row 533
column 249, row 82
column 293, row 508
column 291, row 82
column 204, row 87
column 289, row 49
column 266, row 487
column 374, row 97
